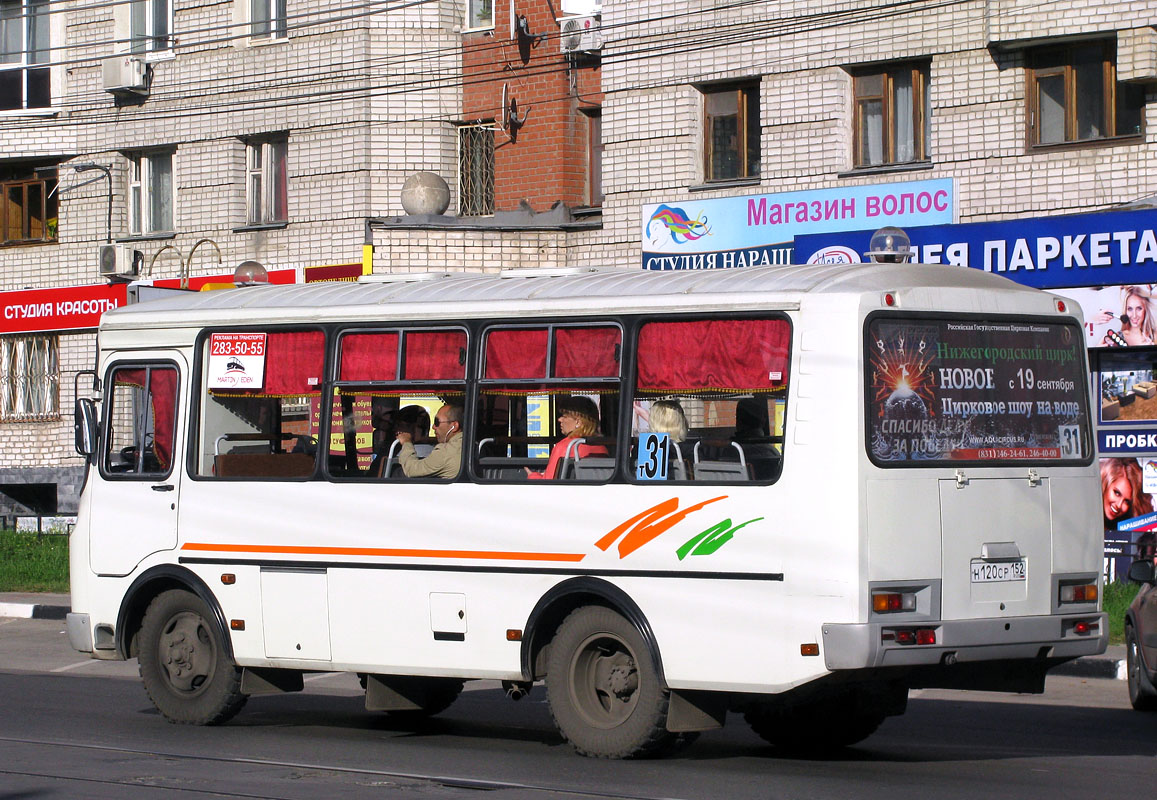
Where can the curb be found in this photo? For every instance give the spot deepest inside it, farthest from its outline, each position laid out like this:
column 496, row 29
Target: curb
column 1092, row 667
column 33, row 611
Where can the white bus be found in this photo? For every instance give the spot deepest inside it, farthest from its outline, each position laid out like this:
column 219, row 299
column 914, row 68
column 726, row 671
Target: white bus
column 793, row 492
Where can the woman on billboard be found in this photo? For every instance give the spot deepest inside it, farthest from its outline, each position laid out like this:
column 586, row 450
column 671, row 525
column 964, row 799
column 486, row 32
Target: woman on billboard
column 1138, row 327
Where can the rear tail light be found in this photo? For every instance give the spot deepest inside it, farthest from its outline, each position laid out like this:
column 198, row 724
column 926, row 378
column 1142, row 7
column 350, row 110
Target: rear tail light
column 1079, row 593
column 909, row 636
column 891, row 602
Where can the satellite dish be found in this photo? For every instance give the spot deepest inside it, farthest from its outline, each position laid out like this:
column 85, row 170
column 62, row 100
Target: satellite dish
column 504, row 110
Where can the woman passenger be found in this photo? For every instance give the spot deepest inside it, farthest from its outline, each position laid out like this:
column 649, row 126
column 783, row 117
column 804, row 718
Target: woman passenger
column 578, row 418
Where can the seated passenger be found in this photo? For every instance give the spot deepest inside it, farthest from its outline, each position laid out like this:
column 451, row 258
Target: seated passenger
column 445, row 460
column 413, row 419
column 578, row 418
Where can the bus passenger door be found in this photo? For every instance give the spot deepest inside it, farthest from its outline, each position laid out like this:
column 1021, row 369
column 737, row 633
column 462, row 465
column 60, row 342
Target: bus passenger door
column 134, row 502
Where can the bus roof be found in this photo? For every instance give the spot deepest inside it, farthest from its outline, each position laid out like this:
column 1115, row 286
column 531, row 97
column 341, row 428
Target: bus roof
column 419, row 295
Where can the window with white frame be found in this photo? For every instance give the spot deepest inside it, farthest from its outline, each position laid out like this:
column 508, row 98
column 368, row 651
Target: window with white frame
column 151, row 25
column 151, row 192
column 479, row 13
column 267, row 19
column 267, row 190
column 475, row 170
column 29, row 378
column 24, row 43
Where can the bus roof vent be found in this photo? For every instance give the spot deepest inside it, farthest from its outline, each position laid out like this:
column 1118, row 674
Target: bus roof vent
column 403, row 277
column 550, row 272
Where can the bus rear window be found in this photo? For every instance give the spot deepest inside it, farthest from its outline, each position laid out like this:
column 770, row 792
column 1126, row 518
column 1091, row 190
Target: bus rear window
column 975, row 390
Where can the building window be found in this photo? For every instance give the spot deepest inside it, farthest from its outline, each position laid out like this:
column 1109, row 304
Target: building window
column 151, row 23
column 594, row 176
column 893, row 115
column 479, row 13
column 29, row 378
column 475, row 170
column 267, row 194
column 1074, row 96
column 27, row 207
column 151, row 192
column 23, row 44
column 731, row 132
column 267, row 19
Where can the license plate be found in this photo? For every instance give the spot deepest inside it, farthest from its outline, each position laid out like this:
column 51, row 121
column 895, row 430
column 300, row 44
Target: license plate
column 994, row 572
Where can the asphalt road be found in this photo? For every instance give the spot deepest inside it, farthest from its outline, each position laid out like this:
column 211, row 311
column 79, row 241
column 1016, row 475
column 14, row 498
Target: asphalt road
column 71, row 727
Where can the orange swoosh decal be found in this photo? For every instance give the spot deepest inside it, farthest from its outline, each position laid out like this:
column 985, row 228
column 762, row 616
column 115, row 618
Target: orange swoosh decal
column 645, row 526
column 381, row 552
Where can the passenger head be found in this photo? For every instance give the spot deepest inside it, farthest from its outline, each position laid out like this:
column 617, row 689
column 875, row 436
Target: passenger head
column 413, row 420
column 667, row 417
column 382, row 415
column 578, row 416
column 751, row 418
column 447, row 423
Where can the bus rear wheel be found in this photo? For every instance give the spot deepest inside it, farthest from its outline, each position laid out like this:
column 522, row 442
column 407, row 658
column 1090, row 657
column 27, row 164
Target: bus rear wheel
column 813, row 728
column 603, row 689
column 184, row 664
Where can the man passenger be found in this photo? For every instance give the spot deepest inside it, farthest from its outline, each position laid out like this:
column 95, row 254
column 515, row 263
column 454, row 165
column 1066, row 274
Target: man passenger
column 445, row 460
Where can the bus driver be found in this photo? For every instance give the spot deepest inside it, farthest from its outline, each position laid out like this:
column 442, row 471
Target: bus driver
column 445, row 460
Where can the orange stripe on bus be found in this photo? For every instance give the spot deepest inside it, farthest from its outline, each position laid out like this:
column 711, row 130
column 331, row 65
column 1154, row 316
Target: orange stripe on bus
column 488, row 555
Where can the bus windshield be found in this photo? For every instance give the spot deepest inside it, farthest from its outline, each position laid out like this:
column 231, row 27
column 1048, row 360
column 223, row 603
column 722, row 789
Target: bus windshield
column 975, row 390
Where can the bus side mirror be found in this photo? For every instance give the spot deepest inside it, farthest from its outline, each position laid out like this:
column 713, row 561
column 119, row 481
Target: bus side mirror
column 1141, row 571
column 84, row 426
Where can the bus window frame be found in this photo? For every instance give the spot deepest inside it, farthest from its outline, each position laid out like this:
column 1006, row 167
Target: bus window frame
column 332, row 382
column 946, row 464
column 197, row 392
column 106, row 420
column 642, row 320
column 479, row 382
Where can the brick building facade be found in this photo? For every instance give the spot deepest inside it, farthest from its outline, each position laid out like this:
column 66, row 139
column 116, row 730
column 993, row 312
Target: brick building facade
column 283, row 132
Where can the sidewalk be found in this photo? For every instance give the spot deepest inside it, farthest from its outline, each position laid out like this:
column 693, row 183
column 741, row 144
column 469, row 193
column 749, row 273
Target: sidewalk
column 1110, row 664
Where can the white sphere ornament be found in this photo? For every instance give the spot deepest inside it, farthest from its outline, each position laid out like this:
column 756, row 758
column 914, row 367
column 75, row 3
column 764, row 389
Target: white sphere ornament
column 425, row 193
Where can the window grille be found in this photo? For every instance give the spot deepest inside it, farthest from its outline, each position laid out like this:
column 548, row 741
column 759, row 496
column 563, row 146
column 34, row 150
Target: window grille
column 29, row 378
column 475, row 170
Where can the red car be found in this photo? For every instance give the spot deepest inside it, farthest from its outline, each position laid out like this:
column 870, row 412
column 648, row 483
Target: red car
column 1141, row 637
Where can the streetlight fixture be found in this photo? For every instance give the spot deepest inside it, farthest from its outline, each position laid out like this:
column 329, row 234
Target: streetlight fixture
column 88, row 167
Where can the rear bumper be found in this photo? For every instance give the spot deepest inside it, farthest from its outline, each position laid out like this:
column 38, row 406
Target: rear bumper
column 1053, row 638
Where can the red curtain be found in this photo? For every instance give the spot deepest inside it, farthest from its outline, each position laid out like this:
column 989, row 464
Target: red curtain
column 741, row 355
column 369, row 357
column 293, row 364
column 435, row 355
column 586, row 352
column 516, row 354
column 162, row 394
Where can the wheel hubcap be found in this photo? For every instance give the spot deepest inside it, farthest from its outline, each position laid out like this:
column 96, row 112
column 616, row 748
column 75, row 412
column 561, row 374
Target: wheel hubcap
column 186, row 652
column 604, row 681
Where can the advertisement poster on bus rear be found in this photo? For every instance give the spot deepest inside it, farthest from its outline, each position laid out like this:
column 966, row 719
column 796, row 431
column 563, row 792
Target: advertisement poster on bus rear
column 974, row 390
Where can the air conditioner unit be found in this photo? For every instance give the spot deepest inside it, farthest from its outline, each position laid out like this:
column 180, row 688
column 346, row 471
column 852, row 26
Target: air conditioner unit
column 580, row 34
column 118, row 261
column 126, row 74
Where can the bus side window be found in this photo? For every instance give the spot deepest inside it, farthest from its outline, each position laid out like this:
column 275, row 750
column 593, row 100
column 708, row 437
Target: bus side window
column 549, row 403
column 717, row 388
column 260, row 414
column 390, row 382
column 141, row 420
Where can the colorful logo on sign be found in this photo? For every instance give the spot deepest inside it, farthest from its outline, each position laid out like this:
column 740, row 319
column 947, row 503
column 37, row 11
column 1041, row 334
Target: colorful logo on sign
column 680, row 226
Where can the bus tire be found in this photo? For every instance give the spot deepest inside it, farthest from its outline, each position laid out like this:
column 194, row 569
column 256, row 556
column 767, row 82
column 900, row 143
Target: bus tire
column 814, row 728
column 183, row 662
column 603, row 689
column 1142, row 696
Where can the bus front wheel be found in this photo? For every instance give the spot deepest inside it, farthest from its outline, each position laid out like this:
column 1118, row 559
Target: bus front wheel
column 183, row 662
column 603, row 689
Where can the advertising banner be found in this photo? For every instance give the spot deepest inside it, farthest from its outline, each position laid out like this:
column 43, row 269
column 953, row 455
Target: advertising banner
column 64, row 309
column 1130, row 520
column 1098, row 249
column 969, row 390
column 753, row 230
column 236, row 361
